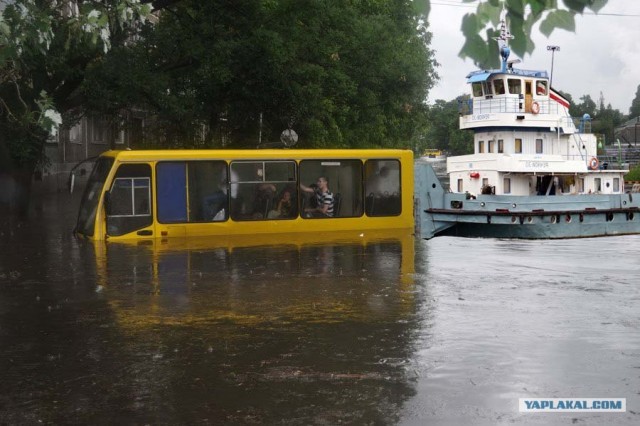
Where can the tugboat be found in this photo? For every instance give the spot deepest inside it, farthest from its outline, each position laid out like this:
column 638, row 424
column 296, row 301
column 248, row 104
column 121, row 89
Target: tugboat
column 534, row 173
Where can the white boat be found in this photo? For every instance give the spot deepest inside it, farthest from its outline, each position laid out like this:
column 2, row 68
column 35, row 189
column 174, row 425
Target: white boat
column 535, row 171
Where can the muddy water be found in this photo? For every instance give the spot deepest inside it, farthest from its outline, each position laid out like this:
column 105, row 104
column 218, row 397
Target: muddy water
column 364, row 331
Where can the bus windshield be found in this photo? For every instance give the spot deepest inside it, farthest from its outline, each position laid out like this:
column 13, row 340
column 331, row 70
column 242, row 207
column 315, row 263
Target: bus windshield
column 91, row 196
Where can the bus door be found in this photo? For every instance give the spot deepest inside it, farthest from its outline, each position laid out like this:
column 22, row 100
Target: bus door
column 128, row 203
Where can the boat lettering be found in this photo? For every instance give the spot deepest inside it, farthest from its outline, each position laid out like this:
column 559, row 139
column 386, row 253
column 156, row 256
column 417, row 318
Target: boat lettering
column 537, row 164
column 476, row 117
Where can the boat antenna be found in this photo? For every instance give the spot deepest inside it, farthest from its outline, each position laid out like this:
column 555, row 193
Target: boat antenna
column 503, row 39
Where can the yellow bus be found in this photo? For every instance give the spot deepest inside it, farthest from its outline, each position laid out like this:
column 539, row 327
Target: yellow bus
column 183, row 193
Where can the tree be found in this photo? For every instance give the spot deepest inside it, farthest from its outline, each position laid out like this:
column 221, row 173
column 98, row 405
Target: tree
column 45, row 49
column 634, row 111
column 523, row 15
column 340, row 73
column 444, row 132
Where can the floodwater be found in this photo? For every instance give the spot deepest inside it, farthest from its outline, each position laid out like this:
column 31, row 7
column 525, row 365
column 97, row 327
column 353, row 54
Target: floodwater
column 395, row 331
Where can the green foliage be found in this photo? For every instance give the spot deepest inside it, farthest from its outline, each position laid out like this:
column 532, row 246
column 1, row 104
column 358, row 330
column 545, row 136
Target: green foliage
column 523, row 15
column 45, row 48
column 634, row 111
column 633, row 175
column 339, row 73
column 443, row 132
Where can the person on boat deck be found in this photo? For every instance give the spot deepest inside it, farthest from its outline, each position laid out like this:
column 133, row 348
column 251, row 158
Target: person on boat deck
column 324, row 198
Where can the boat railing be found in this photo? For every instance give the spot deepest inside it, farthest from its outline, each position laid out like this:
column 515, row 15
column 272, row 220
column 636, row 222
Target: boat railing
column 504, row 105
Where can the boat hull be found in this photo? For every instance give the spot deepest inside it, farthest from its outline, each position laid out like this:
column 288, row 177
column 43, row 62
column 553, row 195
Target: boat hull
column 527, row 217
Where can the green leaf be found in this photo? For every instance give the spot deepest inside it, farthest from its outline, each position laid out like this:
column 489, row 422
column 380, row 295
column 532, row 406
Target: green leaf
column 558, row 19
column 596, row 5
column 422, row 7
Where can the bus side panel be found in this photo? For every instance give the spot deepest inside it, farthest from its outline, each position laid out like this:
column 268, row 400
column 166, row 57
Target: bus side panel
column 172, row 192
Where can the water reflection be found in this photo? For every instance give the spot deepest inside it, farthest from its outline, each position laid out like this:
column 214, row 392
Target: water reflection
column 246, row 333
column 186, row 331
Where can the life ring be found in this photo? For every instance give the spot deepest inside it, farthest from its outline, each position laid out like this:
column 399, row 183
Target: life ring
column 535, row 107
column 594, row 163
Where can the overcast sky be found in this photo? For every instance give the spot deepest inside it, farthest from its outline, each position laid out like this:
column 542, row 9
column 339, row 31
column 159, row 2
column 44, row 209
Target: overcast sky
column 603, row 55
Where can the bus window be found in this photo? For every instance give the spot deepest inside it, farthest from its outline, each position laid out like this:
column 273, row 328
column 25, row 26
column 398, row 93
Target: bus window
column 208, row 188
column 194, row 191
column 129, row 200
column 258, row 187
column 344, row 182
column 382, row 188
column 91, row 196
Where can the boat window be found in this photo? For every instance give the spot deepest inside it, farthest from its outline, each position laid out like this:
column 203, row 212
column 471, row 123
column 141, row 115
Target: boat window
column 527, row 87
column 580, row 185
column 539, row 146
column 616, row 184
column 344, row 182
column 507, row 186
column 382, row 188
column 541, row 87
column 477, row 89
column 518, row 146
column 486, row 86
column 515, row 86
column 263, row 190
column 598, row 184
column 460, row 185
column 491, row 146
column 498, row 86
column 500, row 146
column 480, row 147
column 129, row 200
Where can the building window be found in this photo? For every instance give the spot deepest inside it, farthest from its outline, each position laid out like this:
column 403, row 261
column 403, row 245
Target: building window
column 99, row 128
column 500, row 146
column 518, row 147
column 460, row 185
column 480, row 147
column 538, row 146
column 75, row 133
column 507, row 186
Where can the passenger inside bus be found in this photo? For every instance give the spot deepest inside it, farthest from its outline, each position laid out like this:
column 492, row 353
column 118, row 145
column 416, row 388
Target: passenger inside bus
column 323, row 197
column 284, row 208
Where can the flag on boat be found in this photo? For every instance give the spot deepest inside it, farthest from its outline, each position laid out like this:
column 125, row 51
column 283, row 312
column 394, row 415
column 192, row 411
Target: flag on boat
column 556, row 96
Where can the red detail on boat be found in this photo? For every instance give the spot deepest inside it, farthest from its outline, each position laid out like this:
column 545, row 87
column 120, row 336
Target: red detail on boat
column 558, row 98
column 474, row 175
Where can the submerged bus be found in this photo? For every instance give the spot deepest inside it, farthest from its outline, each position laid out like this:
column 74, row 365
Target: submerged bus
column 182, row 193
